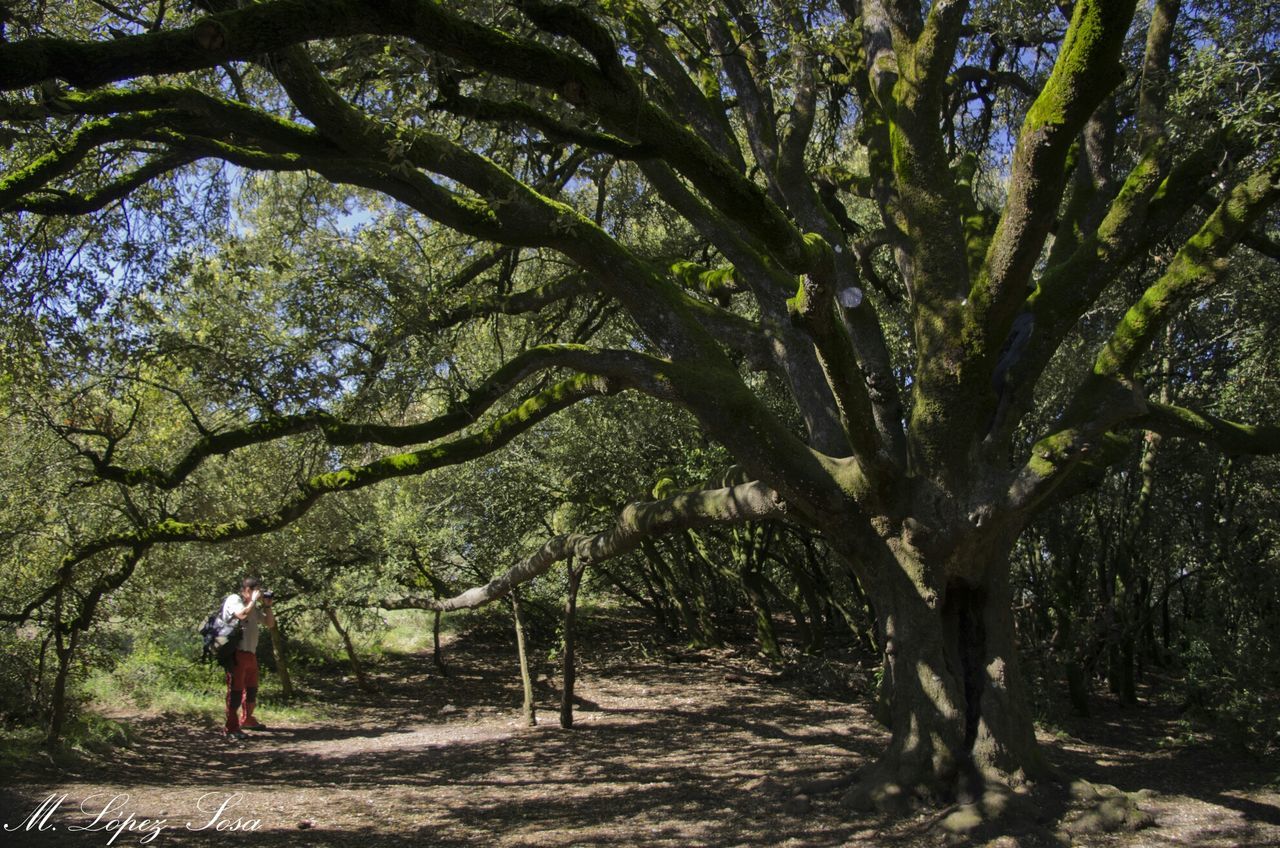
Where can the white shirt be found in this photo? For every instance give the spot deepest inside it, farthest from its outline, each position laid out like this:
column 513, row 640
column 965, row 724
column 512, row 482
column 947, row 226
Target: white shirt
column 233, row 605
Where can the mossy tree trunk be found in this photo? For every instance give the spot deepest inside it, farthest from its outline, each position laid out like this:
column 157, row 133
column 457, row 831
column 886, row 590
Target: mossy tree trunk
column 955, row 707
column 922, row 498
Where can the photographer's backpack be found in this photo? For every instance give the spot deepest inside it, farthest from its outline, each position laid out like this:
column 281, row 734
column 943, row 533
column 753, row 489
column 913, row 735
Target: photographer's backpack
column 221, row 639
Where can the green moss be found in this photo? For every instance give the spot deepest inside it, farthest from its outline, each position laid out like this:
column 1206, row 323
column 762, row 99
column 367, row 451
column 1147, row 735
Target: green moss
column 977, row 237
column 820, row 258
column 1050, row 452
column 798, row 304
column 334, row 480
column 1086, row 60
column 402, row 463
column 899, row 153
column 172, row 527
column 715, row 282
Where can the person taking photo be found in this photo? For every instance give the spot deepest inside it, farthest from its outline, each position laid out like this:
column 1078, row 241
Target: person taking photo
column 253, row 608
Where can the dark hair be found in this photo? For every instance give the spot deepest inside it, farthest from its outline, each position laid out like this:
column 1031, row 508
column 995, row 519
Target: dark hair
column 250, row 583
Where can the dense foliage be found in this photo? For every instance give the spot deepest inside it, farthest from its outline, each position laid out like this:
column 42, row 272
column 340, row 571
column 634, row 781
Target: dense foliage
column 894, row 327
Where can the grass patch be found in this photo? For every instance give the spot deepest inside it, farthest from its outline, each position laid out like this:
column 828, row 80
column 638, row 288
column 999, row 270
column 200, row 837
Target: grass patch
column 409, row 631
column 19, row 745
column 157, row 679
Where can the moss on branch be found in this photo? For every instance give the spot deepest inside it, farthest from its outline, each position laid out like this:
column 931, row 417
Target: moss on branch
column 1196, row 267
column 1086, row 70
column 491, row 438
column 636, row 523
column 1230, row 436
column 622, row 367
column 719, row 283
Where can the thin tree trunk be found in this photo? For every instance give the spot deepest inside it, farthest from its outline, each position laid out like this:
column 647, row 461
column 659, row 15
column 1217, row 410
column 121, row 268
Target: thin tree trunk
column 282, row 660
column 674, row 590
column 753, row 586
column 570, row 671
column 526, row 680
column 354, row 658
column 65, row 651
column 1077, row 686
column 437, row 657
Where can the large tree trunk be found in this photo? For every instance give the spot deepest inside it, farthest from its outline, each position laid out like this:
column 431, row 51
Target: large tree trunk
column 957, row 708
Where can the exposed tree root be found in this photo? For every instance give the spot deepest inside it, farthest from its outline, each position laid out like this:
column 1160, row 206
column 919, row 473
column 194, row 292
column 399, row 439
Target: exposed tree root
column 1100, row 808
column 1057, row 812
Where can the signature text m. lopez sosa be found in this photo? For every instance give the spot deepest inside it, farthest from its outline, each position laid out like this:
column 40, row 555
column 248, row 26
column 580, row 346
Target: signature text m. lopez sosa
column 112, row 817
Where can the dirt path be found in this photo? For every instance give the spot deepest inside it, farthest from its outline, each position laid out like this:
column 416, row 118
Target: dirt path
column 664, row 753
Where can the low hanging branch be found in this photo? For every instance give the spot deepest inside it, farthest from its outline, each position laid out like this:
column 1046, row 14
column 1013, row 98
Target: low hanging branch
column 637, row 370
column 412, row 463
column 752, row 501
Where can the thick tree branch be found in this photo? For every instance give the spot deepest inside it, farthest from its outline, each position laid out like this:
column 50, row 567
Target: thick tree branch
column 1083, row 431
column 640, row 521
column 486, row 441
column 754, row 100
column 1195, row 268
column 935, row 49
column 1086, row 70
column 1146, row 209
column 214, row 40
column 1153, row 92
column 529, row 300
column 814, row 304
column 991, row 78
column 521, row 112
column 68, row 203
column 61, row 161
column 706, row 115
column 1231, row 437
column 1073, row 460
column 631, row 369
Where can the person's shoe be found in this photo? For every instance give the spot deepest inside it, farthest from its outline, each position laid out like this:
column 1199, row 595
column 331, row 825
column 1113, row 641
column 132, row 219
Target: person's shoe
column 253, row 724
column 235, row 735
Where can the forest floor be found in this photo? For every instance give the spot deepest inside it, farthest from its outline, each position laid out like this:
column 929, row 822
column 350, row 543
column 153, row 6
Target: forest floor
column 672, row 748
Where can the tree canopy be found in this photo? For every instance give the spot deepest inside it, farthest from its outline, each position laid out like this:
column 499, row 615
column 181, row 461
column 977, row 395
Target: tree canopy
column 915, row 273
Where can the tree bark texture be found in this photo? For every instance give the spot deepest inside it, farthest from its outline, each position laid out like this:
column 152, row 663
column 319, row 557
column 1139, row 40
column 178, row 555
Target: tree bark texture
column 956, row 707
column 527, row 708
column 569, row 659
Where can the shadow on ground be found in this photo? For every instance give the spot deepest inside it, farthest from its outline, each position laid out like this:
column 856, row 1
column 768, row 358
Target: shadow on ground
column 669, row 753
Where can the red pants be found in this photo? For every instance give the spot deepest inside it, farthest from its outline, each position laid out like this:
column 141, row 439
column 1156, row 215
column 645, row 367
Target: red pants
column 242, row 688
